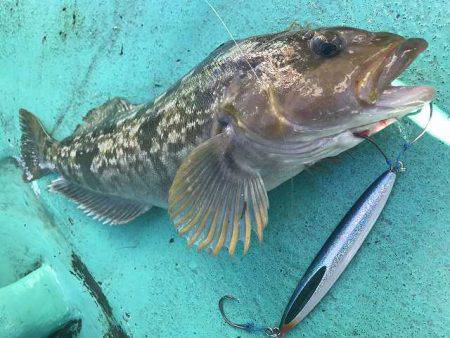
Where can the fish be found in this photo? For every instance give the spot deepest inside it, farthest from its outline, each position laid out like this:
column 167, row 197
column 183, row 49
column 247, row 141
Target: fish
column 250, row 116
column 338, row 251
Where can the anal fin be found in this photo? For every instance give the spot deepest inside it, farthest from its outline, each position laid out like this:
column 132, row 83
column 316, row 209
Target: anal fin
column 107, row 208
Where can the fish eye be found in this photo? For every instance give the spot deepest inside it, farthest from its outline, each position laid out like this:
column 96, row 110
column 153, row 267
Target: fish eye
column 326, row 47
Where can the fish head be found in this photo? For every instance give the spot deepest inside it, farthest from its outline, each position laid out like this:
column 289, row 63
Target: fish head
column 327, row 81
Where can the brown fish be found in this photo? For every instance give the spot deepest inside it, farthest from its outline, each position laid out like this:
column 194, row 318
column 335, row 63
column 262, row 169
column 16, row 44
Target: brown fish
column 246, row 119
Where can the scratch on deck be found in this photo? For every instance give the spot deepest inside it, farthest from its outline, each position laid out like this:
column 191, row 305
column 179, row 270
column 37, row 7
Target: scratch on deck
column 82, row 272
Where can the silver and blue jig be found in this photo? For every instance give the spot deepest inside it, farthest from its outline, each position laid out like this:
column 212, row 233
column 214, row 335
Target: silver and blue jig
column 338, row 250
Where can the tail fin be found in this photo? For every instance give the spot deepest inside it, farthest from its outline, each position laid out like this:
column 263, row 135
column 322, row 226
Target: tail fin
column 34, row 141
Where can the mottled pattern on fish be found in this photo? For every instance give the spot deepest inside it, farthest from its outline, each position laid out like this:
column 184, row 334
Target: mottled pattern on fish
column 246, row 119
column 135, row 150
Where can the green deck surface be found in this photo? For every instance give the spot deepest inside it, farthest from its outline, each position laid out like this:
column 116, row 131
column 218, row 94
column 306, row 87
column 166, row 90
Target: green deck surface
column 60, row 58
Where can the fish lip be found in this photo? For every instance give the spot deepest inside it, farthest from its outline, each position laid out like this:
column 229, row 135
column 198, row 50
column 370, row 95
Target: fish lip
column 396, row 97
column 385, row 68
column 396, row 63
column 394, row 102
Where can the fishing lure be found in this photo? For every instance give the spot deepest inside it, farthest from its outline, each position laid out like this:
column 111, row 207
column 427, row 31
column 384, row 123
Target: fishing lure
column 338, row 250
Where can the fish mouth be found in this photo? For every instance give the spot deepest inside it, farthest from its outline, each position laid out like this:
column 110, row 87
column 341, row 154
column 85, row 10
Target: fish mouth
column 374, row 84
column 382, row 100
column 395, row 102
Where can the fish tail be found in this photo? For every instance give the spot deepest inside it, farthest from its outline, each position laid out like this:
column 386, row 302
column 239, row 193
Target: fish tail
column 34, row 143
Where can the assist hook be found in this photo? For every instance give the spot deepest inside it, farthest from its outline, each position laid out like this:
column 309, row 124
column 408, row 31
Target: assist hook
column 273, row 332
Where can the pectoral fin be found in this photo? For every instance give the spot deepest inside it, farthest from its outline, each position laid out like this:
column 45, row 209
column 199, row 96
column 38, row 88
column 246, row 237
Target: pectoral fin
column 216, row 202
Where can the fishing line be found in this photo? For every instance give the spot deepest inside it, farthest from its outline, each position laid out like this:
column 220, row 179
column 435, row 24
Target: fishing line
column 397, row 164
column 266, row 88
column 371, row 140
column 233, row 39
column 402, row 129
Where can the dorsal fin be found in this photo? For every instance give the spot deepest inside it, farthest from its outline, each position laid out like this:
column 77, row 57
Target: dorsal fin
column 108, row 112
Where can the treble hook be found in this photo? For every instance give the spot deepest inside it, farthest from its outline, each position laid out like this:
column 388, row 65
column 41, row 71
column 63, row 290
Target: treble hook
column 398, row 166
column 249, row 327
